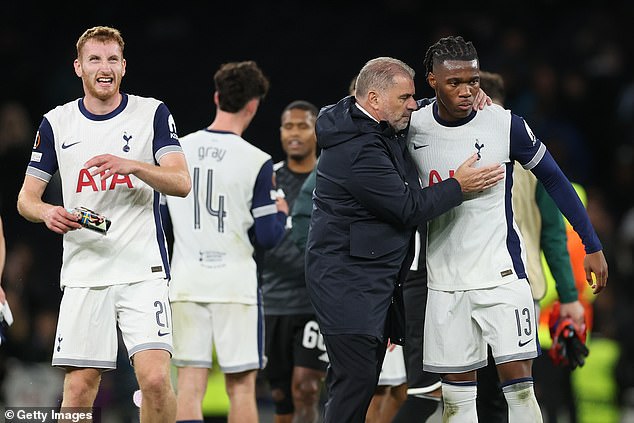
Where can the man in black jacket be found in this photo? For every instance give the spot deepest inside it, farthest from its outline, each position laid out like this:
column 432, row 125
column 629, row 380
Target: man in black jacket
column 367, row 203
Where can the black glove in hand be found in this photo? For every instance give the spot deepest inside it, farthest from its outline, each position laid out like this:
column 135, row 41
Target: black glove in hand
column 568, row 347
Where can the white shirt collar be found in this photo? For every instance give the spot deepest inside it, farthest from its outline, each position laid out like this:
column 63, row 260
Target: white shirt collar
column 366, row 112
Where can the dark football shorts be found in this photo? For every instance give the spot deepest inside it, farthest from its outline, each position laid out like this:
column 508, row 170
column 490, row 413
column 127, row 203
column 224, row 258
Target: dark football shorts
column 293, row 341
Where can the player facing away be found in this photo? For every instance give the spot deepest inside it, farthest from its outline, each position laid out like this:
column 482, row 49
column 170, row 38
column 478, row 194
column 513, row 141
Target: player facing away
column 214, row 292
column 478, row 291
column 115, row 153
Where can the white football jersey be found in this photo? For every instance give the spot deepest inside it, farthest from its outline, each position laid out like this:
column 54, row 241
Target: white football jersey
column 213, row 255
column 477, row 244
column 134, row 248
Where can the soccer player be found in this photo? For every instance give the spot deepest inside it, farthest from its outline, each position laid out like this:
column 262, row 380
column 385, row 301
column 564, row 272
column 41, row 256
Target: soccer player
column 295, row 349
column 543, row 229
column 214, row 291
column 115, row 153
column 478, row 292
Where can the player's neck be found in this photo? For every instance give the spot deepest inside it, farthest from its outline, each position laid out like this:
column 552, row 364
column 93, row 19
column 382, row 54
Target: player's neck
column 304, row 165
column 231, row 122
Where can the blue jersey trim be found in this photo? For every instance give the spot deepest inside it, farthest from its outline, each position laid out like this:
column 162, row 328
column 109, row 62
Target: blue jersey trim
column 165, row 134
column 115, row 112
column 160, row 234
column 524, row 147
column 454, row 123
column 44, row 144
column 513, row 245
column 218, row 131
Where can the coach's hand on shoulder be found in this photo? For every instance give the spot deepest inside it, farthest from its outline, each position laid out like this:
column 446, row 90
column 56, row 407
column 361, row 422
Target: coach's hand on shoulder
column 481, row 99
column 595, row 265
column 473, row 179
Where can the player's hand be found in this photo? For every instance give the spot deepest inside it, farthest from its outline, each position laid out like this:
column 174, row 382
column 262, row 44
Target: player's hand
column 59, row 220
column 473, row 179
column 481, row 99
column 282, row 205
column 595, row 264
column 107, row 165
column 573, row 310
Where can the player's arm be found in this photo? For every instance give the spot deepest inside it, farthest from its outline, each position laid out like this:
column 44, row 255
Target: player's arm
column 554, row 244
column 269, row 222
column 534, row 156
column 34, row 209
column 41, row 168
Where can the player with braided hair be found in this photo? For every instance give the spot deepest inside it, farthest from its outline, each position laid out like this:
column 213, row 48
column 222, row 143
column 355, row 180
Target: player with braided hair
column 476, row 260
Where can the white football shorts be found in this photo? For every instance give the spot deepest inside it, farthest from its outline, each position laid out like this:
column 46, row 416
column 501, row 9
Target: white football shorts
column 393, row 372
column 88, row 318
column 460, row 324
column 235, row 330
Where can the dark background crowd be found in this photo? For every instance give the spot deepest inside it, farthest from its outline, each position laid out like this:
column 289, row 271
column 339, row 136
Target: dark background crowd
column 568, row 69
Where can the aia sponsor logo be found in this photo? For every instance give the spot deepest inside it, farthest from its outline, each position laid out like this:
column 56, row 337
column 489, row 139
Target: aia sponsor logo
column 86, row 181
column 434, row 176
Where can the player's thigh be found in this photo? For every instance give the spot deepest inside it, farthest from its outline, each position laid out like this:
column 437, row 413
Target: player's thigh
column 309, row 349
column 144, row 315
column 506, row 314
column 238, row 332
column 86, row 329
column 453, row 342
column 193, row 344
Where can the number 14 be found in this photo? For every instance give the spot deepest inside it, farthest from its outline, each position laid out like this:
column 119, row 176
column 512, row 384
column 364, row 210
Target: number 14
column 220, row 212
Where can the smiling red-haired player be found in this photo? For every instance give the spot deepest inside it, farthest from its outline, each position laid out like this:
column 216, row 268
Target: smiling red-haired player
column 115, row 153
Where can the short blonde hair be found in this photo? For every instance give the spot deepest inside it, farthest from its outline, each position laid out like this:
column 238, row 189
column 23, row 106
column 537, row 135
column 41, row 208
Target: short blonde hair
column 100, row 33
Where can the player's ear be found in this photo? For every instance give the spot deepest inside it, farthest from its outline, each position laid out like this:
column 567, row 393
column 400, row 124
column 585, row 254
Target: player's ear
column 431, row 80
column 252, row 106
column 77, row 66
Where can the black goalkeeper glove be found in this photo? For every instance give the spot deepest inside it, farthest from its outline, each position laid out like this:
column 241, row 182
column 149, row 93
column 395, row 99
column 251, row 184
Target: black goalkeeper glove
column 569, row 348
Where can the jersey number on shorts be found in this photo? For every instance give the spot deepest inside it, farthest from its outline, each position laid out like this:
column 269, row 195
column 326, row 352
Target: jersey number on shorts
column 312, row 337
column 220, row 213
column 526, row 317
